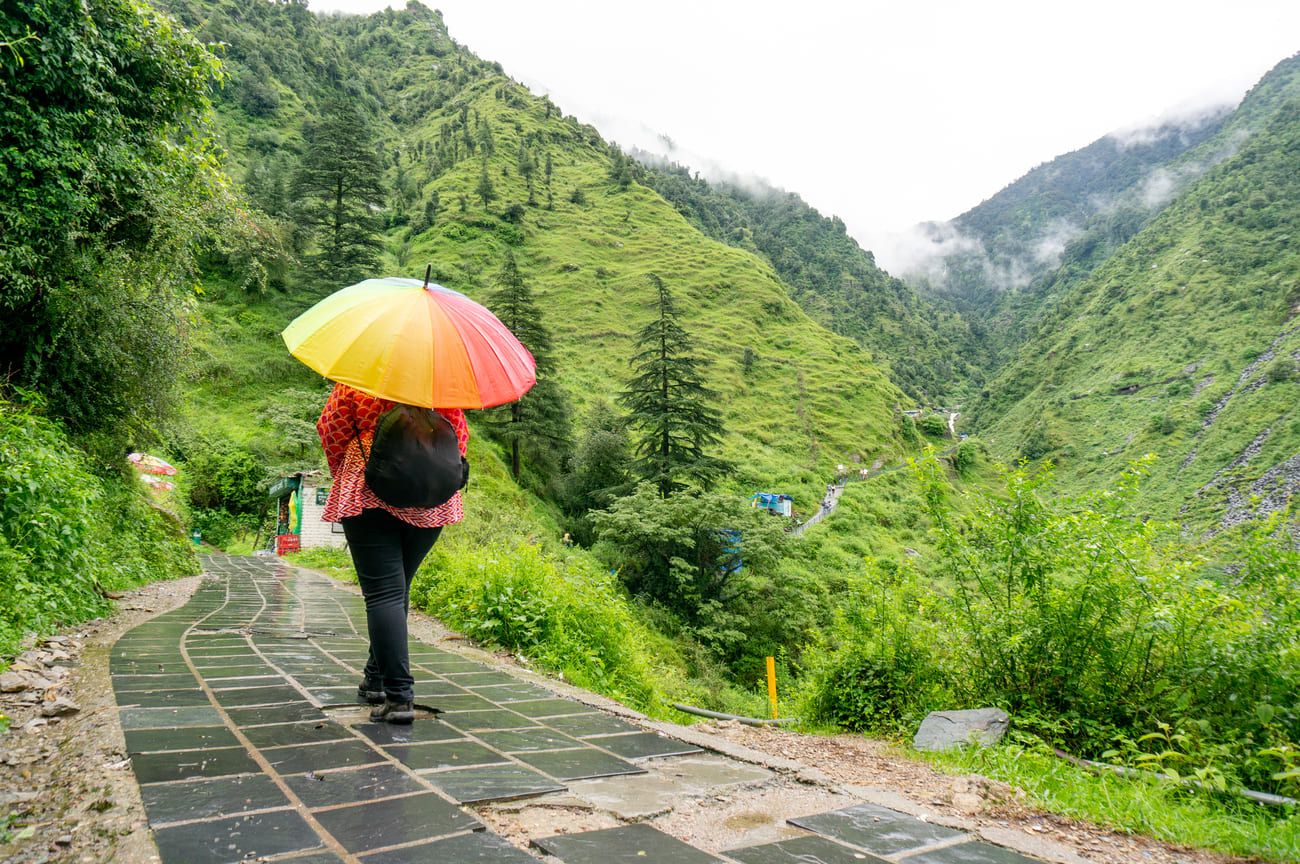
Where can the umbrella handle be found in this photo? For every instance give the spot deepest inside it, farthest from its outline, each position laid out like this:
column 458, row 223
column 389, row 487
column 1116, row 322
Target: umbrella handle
column 428, row 270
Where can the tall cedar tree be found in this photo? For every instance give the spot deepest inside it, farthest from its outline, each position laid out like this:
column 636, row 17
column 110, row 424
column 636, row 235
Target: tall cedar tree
column 669, row 405
column 337, row 184
column 539, row 422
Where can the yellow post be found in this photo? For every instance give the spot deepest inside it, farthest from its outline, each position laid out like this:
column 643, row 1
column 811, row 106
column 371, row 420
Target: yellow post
column 771, row 684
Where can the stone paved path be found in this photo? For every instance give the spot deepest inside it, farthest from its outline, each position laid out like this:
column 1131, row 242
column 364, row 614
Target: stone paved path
column 240, row 720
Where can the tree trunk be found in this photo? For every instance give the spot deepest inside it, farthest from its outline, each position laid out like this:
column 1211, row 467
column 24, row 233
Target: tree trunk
column 337, row 252
column 514, row 442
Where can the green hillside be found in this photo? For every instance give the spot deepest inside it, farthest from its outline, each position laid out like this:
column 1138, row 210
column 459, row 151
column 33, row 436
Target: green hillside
column 834, row 279
column 1184, row 343
column 1046, row 232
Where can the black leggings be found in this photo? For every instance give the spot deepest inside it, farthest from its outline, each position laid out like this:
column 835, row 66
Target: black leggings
column 386, row 553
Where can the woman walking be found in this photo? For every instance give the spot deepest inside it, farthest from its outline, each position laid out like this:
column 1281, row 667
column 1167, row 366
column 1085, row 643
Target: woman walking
column 387, row 543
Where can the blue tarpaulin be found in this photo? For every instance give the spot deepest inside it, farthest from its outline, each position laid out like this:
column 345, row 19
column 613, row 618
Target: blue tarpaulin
column 773, row 501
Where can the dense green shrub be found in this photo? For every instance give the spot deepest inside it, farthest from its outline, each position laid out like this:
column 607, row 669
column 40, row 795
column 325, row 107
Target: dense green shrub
column 715, row 563
column 220, row 475
column 876, row 669
column 565, row 615
column 967, row 455
column 934, row 425
column 109, row 186
column 67, row 536
column 219, row 527
column 1093, row 628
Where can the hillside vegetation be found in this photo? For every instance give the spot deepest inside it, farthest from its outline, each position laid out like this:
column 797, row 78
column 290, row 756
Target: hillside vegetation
column 834, row 279
column 1008, row 261
column 1183, row 344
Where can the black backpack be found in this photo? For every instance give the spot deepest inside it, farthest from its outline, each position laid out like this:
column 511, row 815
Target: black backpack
column 414, row 459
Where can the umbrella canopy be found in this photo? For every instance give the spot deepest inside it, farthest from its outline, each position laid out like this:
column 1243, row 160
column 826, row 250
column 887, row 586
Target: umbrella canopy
column 413, row 342
column 150, row 464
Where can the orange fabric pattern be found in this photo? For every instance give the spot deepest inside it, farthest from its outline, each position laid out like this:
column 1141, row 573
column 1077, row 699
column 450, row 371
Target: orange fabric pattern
column 348, row 412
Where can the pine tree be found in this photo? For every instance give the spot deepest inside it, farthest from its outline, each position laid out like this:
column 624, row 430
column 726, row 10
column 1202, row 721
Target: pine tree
column 539, row 422
column 337, row 183
column 486, row 192
column 669, row 405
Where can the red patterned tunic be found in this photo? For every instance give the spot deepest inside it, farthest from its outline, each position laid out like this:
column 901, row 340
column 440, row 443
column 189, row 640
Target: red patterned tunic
column 348, row 411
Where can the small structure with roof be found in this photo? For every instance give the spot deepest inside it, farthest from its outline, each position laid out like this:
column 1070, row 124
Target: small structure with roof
column 772, row 502
column 299, row 525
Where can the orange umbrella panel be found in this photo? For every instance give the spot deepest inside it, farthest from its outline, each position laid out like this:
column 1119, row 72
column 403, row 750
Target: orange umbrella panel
column 420, row 344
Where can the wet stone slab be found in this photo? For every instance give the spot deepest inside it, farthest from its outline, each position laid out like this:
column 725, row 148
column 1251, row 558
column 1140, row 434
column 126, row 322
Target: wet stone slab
column 876, row 829
column 630, row 844
column 478, row 848
column 578, row 764
column 291, row 712
column 520, row 691
column 246, row 696
column 128, row 683
column 321, row 757
column 353, row 785
column 642, row 745
column 419, row 732
column 971, row 853
column 549, row 708
column 286, row 734
column 448, row 754
column 461, row 702
column 586, row 725
column 186, row 764
column 493, row 783
column 163, row 698
column 395, row 820
column 524, row 740
column 803, row 850
column 186, row 738
column 229, row 841
column 163, row 718
column 208, row 797
column 469, row 721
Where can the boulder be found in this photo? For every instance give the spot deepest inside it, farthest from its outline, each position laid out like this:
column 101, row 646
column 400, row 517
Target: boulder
column 943, row 730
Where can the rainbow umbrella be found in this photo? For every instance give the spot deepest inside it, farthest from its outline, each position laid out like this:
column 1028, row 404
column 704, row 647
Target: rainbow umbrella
column 413, row 342
column 148, row 464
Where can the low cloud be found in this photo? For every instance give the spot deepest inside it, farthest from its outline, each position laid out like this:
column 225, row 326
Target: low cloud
column 922, row 251
column 1182, row 121
column 1050, row 245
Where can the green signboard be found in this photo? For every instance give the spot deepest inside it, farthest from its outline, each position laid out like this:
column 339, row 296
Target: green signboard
column 283, row 487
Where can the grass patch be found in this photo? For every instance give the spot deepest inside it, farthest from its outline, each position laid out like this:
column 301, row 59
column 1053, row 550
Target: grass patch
column 69, row 536
column 1155, row 807
column 330, row 561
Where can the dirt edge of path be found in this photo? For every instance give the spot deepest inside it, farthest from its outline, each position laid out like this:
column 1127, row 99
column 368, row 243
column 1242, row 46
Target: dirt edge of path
column 70, row 779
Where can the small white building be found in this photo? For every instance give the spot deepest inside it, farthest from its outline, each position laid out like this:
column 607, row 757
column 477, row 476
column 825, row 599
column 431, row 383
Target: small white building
column 301, row 526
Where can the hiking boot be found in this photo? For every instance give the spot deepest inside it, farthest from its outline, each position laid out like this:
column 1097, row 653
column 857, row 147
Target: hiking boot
column 394, row 712
column 370, row 693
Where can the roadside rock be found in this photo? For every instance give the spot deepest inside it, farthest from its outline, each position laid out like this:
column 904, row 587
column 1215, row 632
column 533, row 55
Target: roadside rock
column 59, row 707
column 943, row 730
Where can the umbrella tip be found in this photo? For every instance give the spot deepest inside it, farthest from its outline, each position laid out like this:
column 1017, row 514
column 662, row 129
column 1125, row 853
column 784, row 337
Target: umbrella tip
column 428, row 271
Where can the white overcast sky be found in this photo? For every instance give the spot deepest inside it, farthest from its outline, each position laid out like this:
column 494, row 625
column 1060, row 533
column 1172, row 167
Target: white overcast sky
column 883, row 113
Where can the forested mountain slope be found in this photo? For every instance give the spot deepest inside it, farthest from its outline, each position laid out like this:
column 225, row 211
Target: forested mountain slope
column 1184, row 343
column 1012, row 257
column 834, row 279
